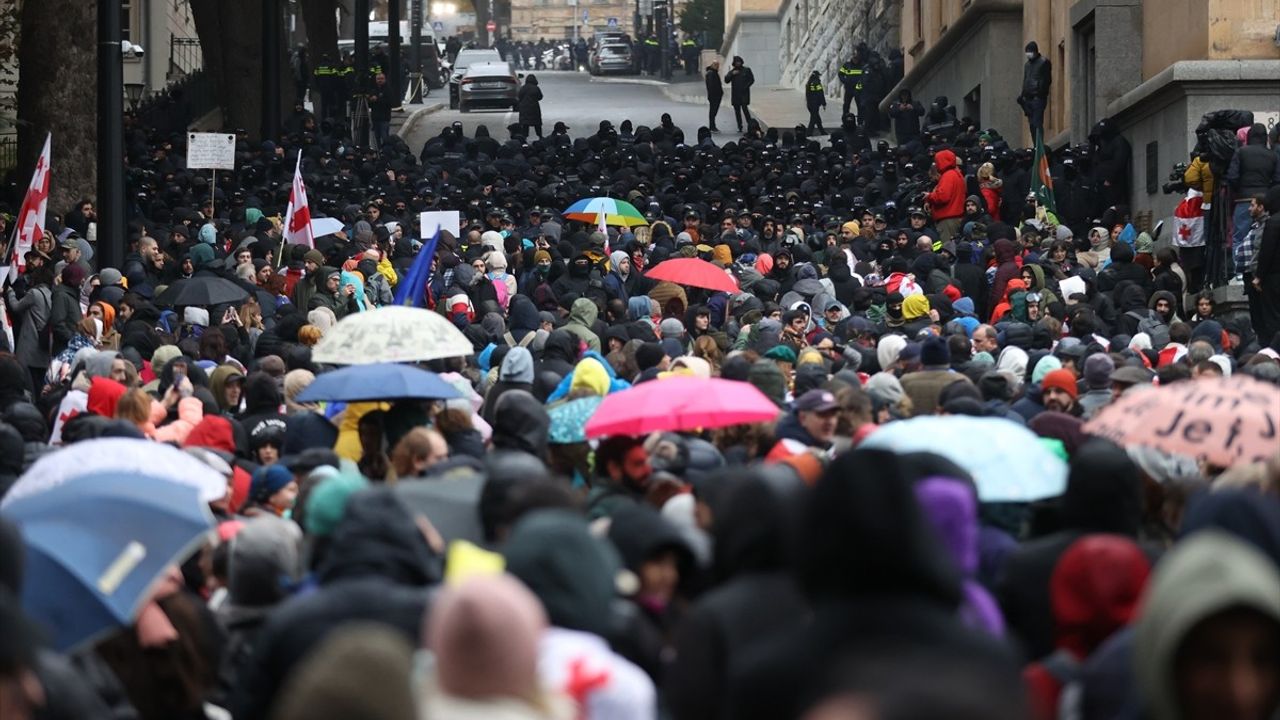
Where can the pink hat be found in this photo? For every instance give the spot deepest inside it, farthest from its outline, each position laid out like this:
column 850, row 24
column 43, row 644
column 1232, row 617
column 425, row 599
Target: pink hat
column 485, row 635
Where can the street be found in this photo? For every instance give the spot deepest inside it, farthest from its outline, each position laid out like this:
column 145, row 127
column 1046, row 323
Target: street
column 581, row 102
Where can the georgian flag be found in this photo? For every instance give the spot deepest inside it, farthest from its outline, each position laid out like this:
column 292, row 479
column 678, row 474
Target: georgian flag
column 30, row 226
column 297, row 217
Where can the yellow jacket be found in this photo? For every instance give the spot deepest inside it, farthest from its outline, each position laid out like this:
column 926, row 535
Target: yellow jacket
column 1199, row 177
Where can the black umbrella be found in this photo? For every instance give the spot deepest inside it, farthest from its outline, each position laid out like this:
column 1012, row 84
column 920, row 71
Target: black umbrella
column 201, row 290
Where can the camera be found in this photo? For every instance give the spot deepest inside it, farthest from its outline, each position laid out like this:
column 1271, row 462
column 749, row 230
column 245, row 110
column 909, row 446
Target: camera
column 1176, row 183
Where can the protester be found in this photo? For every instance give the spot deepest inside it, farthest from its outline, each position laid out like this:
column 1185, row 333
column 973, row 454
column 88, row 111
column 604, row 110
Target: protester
column 746, row 547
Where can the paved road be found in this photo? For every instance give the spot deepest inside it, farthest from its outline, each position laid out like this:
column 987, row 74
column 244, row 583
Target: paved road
column 581, row 102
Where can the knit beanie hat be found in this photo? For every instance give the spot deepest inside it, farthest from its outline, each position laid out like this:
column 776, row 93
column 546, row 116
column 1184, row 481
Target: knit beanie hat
column 295, row 381
column 671, row 328
column 269, row 480
column 648, row 355
column 1061, row 379
column 485, row 634
column 1097, row 371
column 327, row 501
column 934, row 352
column 540, row 256
column 1047, row 364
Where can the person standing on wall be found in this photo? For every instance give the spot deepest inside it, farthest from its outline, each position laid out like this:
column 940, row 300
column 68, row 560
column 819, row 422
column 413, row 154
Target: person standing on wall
column 1037, row 76
column 740, row 79
column 715, row 93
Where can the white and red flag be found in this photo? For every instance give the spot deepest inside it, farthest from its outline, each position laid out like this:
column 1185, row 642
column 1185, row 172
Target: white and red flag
column 297, row 217
column 30, row 225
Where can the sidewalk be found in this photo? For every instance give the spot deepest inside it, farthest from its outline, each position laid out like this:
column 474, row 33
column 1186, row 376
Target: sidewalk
column 779, row 107
column 405, row 121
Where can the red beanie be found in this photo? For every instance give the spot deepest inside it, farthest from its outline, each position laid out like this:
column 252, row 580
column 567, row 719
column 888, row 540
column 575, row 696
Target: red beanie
column 1061, row 379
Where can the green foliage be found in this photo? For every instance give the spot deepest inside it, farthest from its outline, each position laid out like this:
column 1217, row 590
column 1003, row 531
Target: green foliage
column 705, row 19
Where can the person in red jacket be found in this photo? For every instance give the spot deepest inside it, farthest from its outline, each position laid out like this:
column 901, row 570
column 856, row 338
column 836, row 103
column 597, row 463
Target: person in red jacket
column 1095, row 589
column 946, row 200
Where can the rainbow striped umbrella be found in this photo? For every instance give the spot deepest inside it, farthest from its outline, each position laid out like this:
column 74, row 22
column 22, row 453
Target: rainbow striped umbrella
column 616, row 212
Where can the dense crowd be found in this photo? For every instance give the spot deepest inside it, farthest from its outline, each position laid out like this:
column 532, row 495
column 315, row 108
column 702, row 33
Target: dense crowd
column 765, row 570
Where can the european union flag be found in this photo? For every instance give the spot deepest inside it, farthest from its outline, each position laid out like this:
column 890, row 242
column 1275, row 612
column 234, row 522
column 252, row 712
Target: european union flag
column 412, row 289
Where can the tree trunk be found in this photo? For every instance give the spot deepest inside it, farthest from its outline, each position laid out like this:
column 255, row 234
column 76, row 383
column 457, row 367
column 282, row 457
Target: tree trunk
column 230, row 34
column 320, row 17
column 56, row 95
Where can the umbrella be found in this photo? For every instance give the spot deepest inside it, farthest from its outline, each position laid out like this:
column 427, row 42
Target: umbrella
column 693, row 272
column 121, row 455
column 1224, row 420
column 201, row 290
column 1007, row 461
column 451, row 502
column 569, row 418
column 616, row 212
column 380, row 381
column 391, row 334
column 680, row 403
column 95, row 545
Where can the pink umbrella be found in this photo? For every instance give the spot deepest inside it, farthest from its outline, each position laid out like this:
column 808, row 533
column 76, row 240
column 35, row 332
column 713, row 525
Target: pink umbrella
column 1222, row 420
column 693, row 272
column 680, row 403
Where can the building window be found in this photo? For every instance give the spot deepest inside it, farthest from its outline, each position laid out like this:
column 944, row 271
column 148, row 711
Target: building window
column 126, row 20
column 972, row 107
column 1153, row 167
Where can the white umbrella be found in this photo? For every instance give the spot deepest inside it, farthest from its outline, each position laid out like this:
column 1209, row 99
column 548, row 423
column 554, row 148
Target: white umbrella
column 391, row 334
column 121, row 455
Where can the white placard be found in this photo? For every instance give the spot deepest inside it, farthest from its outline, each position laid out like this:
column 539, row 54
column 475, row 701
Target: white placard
column 216, row 151
column 325, row 226
column 448, row 220
column 1070, row 286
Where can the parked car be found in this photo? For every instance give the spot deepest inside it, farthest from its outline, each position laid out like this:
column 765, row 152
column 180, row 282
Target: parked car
column 467, row 58
column 611, row 57
column 493, row 85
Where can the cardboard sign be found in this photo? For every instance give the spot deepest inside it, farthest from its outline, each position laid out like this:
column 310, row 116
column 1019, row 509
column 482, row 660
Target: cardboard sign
column 212, row 151
column 447, row 220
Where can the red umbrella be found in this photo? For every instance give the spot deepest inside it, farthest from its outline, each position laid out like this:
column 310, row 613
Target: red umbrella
column 694, row 273
column 680, row 402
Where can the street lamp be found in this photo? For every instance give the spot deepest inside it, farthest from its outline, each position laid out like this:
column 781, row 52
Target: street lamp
column 134, row 92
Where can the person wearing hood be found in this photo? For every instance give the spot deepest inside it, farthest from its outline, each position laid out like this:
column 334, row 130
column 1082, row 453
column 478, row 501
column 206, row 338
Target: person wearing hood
column 946, row 199
column 582, row 318
column 64, row 307
column 515, row 373
column 559, row 355
column 378, row 566
column 1266, row 275
column 521, row 423
column 1008, row 268
column 529, row 105
column 1095, row 591
column 263, row 560
column 880, row 588
column 1099, row 253
column 1254, row 169
column 1123, row 268
column 1206, row 641
column 740, row 79
column 263, row 423
column 615, row 283
column 815, row 99
column 950, row 506
column 572, row 573
column 332, row 294
column 754, row 595
column 1104, row 494
column 1037, row 77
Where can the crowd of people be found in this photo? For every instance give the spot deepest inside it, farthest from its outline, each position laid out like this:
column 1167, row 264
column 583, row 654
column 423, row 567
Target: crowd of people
column 770, row 570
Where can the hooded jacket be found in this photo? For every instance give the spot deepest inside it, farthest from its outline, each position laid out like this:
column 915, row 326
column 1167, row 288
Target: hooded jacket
column 947, row 197
column 1204, row 575
column 376, row 569
column 1007, row 269
column 521, row 423
column 879, row 586
column 1104, row 494
column 757, row 595
column 1254, row 167
column 582, row 316
column 516, row 373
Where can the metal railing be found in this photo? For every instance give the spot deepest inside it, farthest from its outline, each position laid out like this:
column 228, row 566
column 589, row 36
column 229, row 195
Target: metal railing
column 184, row 56
column 8, row 152
column 175, row 108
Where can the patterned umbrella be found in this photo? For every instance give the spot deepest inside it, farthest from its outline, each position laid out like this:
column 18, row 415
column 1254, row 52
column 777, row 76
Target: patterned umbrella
column 568, row 420
column 392, row 334
column 616, row 212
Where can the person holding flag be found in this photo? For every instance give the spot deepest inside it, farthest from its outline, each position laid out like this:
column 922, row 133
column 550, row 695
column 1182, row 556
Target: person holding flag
column 413, row 287
column 1042, row 184
column 31, row 216
column 297, row 215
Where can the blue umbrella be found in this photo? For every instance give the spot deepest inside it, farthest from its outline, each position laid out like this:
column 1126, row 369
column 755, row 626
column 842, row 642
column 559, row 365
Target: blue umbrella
column 1007, row 461
column 568, row 419
column 96, row 544
column 378, row 381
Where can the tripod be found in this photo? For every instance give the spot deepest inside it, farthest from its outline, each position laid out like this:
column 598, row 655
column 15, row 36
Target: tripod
column 360, row 121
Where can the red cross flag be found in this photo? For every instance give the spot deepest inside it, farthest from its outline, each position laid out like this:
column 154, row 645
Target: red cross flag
column 30, row 226
column 297, row 217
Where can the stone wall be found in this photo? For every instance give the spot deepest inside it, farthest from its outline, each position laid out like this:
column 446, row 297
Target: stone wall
column 821, row 34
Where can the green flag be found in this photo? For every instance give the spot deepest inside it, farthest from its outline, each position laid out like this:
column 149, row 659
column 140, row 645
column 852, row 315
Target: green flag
column 1041, row 180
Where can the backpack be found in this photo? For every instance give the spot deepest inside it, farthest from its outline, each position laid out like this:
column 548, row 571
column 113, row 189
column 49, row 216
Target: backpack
column 1153, row 327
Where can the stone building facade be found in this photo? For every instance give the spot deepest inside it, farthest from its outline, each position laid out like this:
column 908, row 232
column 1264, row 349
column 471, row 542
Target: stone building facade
column 554, row 19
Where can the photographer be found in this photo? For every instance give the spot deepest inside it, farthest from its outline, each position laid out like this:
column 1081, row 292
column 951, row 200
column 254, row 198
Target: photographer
column 906, row 114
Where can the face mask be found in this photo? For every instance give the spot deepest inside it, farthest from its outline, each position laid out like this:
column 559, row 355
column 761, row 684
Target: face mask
column 894, row 311
column 1031, row 56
